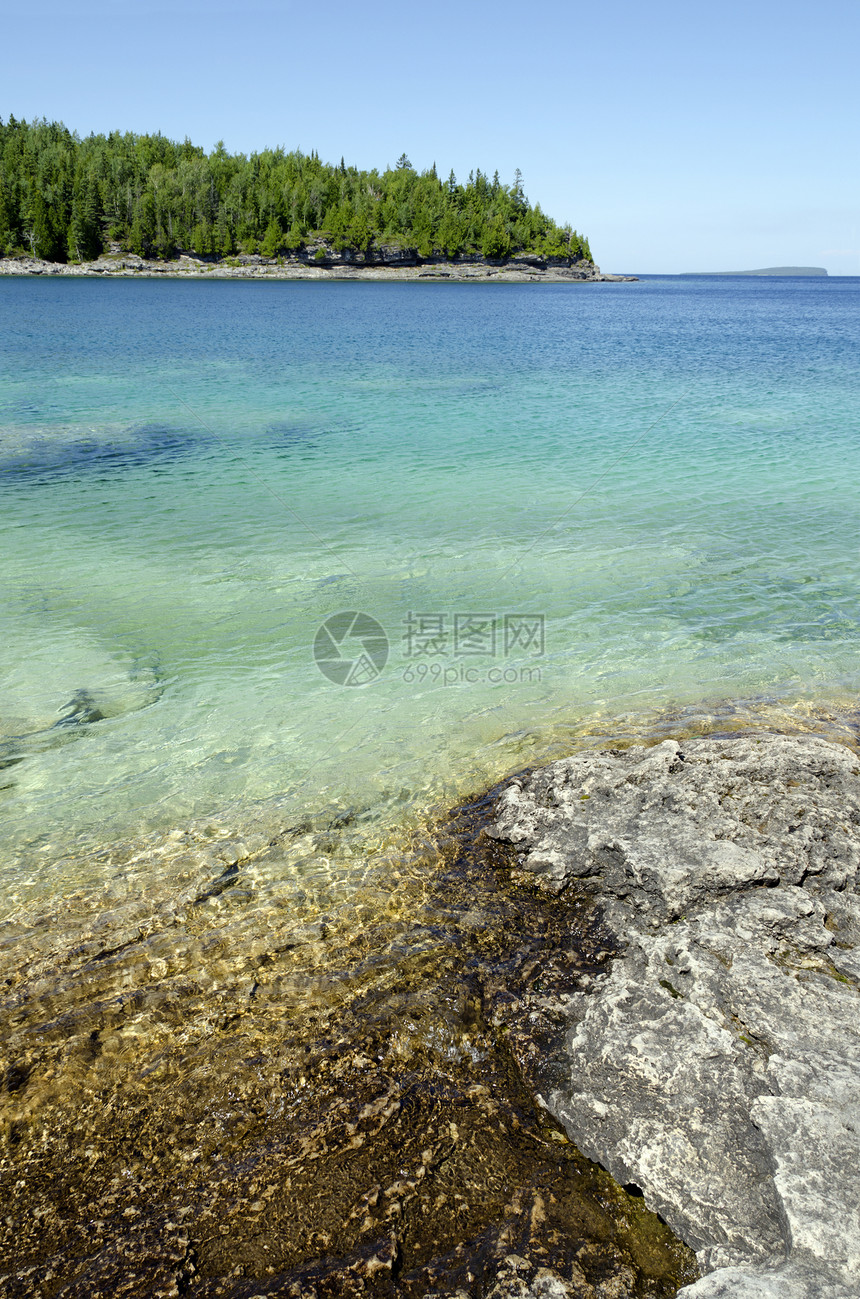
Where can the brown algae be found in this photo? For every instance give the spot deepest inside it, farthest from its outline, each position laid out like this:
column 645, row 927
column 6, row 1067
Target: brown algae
column 233, row 1098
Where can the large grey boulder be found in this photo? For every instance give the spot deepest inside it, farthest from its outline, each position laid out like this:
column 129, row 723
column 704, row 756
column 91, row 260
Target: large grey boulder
column 717, row 1065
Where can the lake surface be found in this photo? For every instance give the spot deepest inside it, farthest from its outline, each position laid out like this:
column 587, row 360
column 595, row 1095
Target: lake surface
column 554, row 506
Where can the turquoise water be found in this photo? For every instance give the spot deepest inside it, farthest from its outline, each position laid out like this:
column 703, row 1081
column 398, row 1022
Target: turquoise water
column 650, row 489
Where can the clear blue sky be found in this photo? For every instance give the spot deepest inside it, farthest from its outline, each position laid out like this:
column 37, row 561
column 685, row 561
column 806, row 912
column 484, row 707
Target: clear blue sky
column 677, row 136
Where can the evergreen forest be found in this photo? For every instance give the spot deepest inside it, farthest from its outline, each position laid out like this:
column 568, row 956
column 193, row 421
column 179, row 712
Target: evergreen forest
column 67, row 199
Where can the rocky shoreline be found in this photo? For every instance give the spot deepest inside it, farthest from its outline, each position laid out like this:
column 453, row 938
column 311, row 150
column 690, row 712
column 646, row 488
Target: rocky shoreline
column 716, row 1065
column 620, row 986
column 321, row 261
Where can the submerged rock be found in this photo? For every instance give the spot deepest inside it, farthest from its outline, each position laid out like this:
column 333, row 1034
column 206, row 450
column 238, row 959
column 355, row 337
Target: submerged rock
column 143, row 686
column 213, row 1085
column 716, row 1064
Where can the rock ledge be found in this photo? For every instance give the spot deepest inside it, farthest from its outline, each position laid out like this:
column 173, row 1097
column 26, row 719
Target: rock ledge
column 716, row 1066
column 320, row 261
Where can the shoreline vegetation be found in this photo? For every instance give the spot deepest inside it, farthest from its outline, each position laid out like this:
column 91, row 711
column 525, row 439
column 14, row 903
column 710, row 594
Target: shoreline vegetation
column 142, row 204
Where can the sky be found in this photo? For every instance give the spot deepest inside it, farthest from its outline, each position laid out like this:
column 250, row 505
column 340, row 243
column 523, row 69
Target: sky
column 677, row 136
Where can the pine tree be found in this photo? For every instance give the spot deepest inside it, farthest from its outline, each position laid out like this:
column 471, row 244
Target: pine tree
column 451, row 233
column 273, row 238
column 84, row 237
column 45, row 241
column 359, row 233
column 8, row 214
column 496, row 242
column 225, row 244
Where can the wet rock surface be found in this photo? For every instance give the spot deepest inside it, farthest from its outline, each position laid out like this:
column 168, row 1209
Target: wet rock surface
column 211, row 1091
column 715, row 1064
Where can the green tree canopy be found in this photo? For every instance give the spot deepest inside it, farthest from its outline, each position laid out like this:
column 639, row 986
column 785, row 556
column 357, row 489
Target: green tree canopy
column 63, row 197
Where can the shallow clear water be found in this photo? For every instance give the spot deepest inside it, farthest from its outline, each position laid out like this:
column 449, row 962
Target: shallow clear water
column 561, row 504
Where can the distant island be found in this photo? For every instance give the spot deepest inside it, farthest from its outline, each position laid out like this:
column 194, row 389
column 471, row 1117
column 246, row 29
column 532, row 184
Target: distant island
column 769, row 270
column 72, row 202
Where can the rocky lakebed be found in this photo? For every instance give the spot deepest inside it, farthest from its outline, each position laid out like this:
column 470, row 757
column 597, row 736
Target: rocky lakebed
column 592, row 1035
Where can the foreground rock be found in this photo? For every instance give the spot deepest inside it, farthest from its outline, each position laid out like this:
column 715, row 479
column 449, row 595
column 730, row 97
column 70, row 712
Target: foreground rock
column 716, row 1065
column 320, row 261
